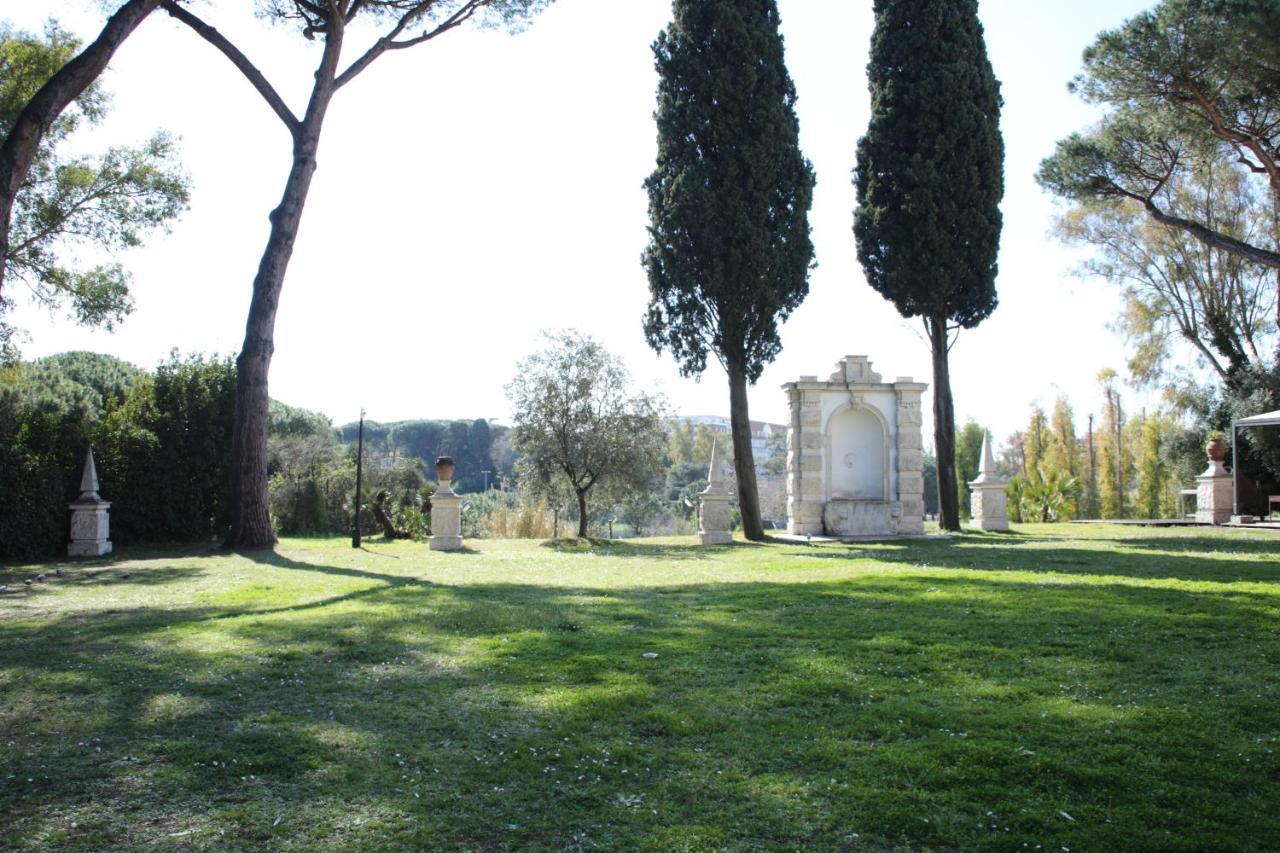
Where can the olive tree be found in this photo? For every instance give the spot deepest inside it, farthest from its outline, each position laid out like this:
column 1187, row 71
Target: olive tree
column 577, row 423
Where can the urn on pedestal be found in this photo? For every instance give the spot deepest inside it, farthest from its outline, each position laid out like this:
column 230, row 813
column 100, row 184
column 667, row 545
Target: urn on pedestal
column 446, row 509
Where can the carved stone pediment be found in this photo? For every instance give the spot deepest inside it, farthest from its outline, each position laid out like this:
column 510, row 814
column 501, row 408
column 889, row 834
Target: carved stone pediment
column 855, row 370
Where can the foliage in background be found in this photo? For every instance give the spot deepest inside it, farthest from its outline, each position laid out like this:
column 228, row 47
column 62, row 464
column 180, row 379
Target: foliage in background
column 1043, row 496
column 469, row 443
column 1179, row 293
column 968, row 460
column 66, row 205
column 163, row 452
column 161, row 441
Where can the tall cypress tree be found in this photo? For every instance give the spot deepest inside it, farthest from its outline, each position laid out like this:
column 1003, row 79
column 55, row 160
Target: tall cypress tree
column 930, row 175
column 729, row 252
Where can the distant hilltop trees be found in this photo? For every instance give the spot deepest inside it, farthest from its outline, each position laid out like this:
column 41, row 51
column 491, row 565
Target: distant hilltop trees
column 476, row 447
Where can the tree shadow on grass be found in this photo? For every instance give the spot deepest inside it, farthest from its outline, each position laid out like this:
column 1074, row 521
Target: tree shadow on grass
column 631, row 548
column 1208, row 559
column 1231, row 543
column 70, row 579
column 869, row 701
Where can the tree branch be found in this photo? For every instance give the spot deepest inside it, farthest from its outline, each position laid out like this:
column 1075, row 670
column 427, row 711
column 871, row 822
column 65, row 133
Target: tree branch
column 1206, row 235
column 239, row 60
column 388, row 42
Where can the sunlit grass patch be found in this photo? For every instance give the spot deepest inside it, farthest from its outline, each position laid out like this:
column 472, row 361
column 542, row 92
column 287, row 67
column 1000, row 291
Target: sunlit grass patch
column 960, row 694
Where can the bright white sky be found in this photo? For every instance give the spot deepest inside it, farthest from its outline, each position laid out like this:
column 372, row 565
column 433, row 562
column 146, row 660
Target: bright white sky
column 483, row 186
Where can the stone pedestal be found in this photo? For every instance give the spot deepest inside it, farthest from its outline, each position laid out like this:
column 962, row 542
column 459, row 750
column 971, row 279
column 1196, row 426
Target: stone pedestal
column 446, row 519
column 1213, row 495
column 988, row 504
column 714, row 525
column 90, row 523
column 713, row 520
column 90, row 529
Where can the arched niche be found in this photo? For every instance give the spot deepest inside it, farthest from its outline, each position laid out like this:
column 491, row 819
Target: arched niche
column 857, row 455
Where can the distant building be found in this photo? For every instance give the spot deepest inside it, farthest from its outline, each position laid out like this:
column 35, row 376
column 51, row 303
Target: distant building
column 761, row 432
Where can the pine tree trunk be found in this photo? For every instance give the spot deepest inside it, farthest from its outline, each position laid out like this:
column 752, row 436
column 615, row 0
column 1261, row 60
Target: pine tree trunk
column 582, row 515
column 744, row 465
column 250, row 519
column 22, row 143
column 944, row 426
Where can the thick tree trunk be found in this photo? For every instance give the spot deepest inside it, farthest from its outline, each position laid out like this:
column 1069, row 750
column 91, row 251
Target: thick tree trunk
column 250, row 520
column 22, row 143
column 944, row 426
column 744, row 465
column 582, row 515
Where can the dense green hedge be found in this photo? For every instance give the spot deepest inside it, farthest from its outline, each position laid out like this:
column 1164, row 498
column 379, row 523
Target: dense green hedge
column 161, row 439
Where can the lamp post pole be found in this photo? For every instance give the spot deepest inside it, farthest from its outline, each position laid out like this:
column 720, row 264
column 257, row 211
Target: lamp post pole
column 355, row 535
column 1235, row 471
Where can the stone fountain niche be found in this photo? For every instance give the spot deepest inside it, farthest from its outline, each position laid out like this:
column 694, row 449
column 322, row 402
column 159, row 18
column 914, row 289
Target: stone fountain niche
column 854, row 454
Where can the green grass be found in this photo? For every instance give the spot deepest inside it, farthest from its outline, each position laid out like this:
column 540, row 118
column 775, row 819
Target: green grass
column 1083, row 688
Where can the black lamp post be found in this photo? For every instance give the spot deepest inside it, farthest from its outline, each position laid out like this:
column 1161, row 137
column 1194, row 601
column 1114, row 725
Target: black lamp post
column 355, row 535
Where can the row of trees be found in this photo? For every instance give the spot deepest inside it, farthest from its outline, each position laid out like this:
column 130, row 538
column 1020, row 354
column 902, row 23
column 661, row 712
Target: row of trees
column 1191, row 92
column 1118, row 464
column 162, row 440
column 398, row 24
column 728, row 258
column 729, row 249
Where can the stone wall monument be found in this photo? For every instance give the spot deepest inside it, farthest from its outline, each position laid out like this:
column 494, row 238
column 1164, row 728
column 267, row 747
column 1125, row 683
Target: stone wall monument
column 713, row 505
column 855, row 459
column 1213, row 488
column 988, row 504
column 90, row 525
column 446, row 510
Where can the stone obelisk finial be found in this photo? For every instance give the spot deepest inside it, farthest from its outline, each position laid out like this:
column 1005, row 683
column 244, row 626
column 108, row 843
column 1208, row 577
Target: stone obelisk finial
column 89, row 479
column 987, row 466
column 716, row 481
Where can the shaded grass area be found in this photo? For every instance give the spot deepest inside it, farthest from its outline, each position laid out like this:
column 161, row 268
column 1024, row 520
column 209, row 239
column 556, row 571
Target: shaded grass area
column 1112, row 690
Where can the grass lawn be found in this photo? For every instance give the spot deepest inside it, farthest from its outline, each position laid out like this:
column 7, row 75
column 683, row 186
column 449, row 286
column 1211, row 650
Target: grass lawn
column 1081, row 688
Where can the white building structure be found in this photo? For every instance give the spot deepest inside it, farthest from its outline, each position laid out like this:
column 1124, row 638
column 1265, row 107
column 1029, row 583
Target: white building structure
column 855, row 457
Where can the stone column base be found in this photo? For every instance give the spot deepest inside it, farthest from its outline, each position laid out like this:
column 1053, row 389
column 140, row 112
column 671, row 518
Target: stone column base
column 988, row 507
column 713, row 520
column 446, row 522
column 89, row 548
column 1213, row 498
